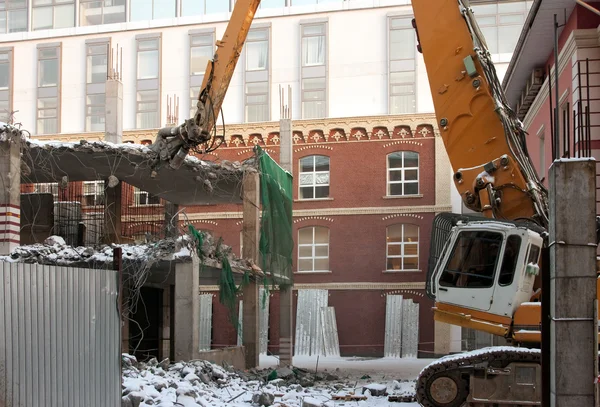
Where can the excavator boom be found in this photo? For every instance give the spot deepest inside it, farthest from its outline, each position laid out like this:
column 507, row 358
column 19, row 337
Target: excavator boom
column 172, row 144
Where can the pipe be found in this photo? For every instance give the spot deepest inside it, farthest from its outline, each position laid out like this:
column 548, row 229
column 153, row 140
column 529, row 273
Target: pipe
column 584, row 4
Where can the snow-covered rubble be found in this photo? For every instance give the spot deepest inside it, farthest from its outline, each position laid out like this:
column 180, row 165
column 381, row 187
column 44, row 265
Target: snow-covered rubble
column 201, row 383
column 54, row 251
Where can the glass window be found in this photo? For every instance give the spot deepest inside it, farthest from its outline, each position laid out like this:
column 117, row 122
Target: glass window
column 48, row 72
column 314, row 84
column 402, row 78
column 313, row 45
column 152, row 10
column 473, row 260
column 95, row 12
column 314, row 177
column 202, row 48
column 200, row 55
column 13, row 16
column 48, row 107
column 148, row 59
column 97, row 63
column 257, row 88
column 93, row 193
column 53, row 14
column 95, row 112
column 147, row 109
column 501, row 24
column 5, row 86
column 509, row 260
column 313, row 249
column 402, row 247
column 403, row 173
column 272, row 3
column 96, row 72
column 145, row 198
column 216, row 6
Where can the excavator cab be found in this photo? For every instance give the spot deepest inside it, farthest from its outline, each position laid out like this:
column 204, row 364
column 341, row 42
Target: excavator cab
column 482, row 270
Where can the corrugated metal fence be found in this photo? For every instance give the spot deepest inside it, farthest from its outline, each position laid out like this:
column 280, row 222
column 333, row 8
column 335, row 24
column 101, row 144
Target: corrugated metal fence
column 60, row 338
column 316, row 327
column 205, row 321
column 401, row 327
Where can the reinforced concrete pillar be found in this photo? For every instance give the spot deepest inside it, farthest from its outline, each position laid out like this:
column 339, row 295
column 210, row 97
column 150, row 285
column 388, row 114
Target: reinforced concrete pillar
column 573, row 349
column 112, row 213
column 251, row 235
column 10, row 194
column 113, row 121
column 187, row 310
column 285, row 293
column 171, row 219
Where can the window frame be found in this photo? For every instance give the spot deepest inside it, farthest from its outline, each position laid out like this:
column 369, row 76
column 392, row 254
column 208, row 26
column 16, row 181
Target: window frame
column 313, row 246
column 207, row 36
column 394, row 65
column 319, row 71
column 83, row 9
column 9, row 8
column 49, row 92
column 95, row 88
column 6, row 95
column 176, row 9
column 258, row 76
column 148, row 84
column 53, row 5
column 402, row 245
column 497, row 16
column 47, row 188
column 402, row 170
column 97, row 193
column 138, row 193
column 314, row 173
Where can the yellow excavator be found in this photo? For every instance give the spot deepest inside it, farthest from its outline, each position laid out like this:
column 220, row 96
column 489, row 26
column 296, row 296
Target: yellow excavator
column 484, row 271
column 198, row 134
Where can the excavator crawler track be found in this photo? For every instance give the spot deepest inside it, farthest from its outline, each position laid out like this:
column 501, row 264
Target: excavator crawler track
column 452, row 375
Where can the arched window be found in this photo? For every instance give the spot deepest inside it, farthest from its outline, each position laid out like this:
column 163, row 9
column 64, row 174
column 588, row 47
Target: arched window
column 403, row 173
column 314, row 177
column 402, row 247
column 313, row 249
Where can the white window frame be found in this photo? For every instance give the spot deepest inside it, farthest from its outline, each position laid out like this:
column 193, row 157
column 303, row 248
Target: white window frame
column 104, row 11
column 402, row 245
column 402, row 65
column 314, row 71
column 97, row 191
column 259, row 76
column 402, row 170
column 49, row 92
column 314, row 174
column 92, row 48
column 11, row 7
column 313, row 247
column 149, row 84
column 204, row 38
column 137, row 197
column 499, row 57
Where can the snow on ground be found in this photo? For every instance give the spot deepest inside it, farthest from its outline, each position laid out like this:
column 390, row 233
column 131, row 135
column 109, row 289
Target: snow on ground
column 200, row 383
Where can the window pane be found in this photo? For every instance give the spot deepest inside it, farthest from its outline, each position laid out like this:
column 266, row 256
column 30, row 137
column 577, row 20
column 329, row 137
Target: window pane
column 305, row 251
column 394, row 263
column 322, row 251
column 47, row 103
column 257, row 113
column 402, row 104
column 148, row 44
column 512, row 7
column 257, row 87
column 192, row 7
column 217, row 6
column 516, row 19
column 401, row 23
column 114, row 12
column 313, row 110
column 316, row 29
column 402, row 77
column 313, row 83
column 321, row 163
column 140, row 10
column 3, row 29
column 272, row 3
column 257, row 99
column 313, row 50
column 148, row 64
column 42, row 18
column 411, row 263
column 305, row 265
column 17, row 21
column 394, row 249
column 307, row 163
column 411, row 159
column 307, row 179
column 147, row 120
column 64, row 16
column 96, row 68
column 411, row 233
column 402, row 44
column 4, row 76
column 164, row 9
column 48, row 72
column 305, row 236
column 395, row 175
column 322, row 264
column 486, row 20
column 257, row 55
column 322, row 178
column 509, row 260
column 47, row 126
column 411, row 188
column 509, row 36
column 395, row 160
column 321, row 192
column 491, row 38
column 97, row 100
column 199, row 59
column 395, row 189
column 394, row 233
column 411, row 175
column 410, row 249
column 306, row 193
column 321, row 235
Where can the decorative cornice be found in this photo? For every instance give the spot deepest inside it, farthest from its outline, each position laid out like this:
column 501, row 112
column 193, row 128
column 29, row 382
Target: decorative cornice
column 313, row 218
column 397, row 215
column 384, row 210
column 342, row 286
column 588, row 38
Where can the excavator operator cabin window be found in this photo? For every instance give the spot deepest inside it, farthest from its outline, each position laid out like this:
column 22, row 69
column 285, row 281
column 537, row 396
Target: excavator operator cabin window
column 509, row 260
column 473, row 260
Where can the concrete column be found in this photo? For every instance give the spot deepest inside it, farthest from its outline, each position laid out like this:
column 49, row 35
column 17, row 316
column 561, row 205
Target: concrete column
column 165, row 340
column 112, row 213
column 113, row 122
column 573, row 282
column 10, row 194
column 251, row 205
column 187, row 310
column 285, row 293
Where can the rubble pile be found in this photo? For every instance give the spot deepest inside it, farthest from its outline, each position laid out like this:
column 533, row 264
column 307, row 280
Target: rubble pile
column 204, row 384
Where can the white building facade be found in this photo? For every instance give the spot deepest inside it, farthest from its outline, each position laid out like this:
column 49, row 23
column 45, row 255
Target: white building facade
column 341, row 58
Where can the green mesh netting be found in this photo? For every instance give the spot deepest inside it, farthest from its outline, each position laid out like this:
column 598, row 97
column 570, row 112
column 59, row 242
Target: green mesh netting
column 276, row 240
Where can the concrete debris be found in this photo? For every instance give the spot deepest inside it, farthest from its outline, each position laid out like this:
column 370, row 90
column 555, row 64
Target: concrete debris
column 311, row 402
column 375, row 389
column 54, row 251
column 113, row 181
column 263, row 399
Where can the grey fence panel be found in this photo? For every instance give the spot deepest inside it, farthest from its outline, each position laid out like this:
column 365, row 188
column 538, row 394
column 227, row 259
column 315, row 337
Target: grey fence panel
column 263, row 320
column 205, row 321
column 410, row 329
column 240, row 332
column 60, row 344
column 393, row 326
column 331, row 341
column 309, row 333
